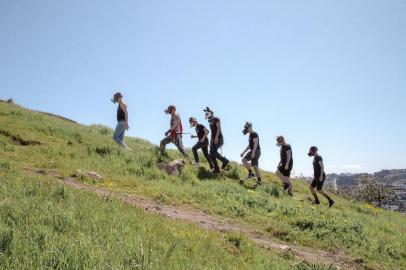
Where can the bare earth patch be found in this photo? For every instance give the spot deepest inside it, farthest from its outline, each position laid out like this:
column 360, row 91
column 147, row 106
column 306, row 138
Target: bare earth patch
column 212, row 223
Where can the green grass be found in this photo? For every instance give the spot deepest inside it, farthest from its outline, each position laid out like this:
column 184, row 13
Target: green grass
column 376, row 236
column 46, row 226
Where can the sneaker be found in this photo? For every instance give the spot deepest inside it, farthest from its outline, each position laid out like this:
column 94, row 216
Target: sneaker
column 316, row 202
column 225, row 164
column 331, row 203
column 285, row 186
column 214, row 171
column 250, row 175
column 290, row 193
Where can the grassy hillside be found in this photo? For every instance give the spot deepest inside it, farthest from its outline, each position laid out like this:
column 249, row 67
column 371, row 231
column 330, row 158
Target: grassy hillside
column 36, row 140
column 46, row 226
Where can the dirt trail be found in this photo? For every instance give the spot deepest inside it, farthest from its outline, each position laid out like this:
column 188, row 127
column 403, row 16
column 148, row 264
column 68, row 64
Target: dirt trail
column 212, row 223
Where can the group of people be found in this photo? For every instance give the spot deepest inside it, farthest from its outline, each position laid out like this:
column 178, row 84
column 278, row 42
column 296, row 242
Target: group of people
column 210, row 148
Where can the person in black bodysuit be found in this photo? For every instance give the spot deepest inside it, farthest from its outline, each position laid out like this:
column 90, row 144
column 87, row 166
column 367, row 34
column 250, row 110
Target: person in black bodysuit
column 122, row 120
column 216, row 142
column 253, row 155
column 319, row 176
column 285, row 165
column 202, row 143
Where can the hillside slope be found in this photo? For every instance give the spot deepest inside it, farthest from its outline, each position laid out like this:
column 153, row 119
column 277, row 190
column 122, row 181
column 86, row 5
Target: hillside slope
column 374, row 237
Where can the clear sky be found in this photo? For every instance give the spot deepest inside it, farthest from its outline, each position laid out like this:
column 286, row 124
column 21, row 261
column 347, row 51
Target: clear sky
column 329, row 73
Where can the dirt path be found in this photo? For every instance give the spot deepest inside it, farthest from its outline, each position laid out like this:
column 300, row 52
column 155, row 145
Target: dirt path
column 212, row 223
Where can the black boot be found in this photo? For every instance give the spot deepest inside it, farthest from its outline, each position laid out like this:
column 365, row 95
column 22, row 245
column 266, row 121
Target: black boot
column 258, row 183
column 225, row 164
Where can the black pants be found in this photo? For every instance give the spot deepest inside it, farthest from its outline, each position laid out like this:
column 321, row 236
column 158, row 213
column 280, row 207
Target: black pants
column 205, row 150
column 214, row 154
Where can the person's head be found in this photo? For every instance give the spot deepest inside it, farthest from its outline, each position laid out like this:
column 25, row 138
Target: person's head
column 280, row 140
column 117, row 98
column 247, row 128
column 313, row 151
column 171, row 109
column 192, row 122
column 209, row 114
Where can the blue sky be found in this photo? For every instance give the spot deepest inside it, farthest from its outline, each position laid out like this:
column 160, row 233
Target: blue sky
column 329, row 73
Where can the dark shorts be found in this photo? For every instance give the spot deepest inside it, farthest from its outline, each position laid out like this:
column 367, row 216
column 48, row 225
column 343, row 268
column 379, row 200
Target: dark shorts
column 255, row 160
column 285, row 172
column 317, row 183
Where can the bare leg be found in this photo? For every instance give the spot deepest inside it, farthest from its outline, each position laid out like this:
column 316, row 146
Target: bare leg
column 316, row 199
column 288, row 182
column 325, row 195
column 281, row 176
column 257, row 172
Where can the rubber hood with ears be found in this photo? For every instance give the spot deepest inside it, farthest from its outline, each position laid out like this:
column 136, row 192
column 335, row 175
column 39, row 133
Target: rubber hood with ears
column 247, row 127
column 208, row 113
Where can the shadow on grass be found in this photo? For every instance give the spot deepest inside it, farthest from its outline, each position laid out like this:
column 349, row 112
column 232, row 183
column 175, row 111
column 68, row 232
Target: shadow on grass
column 204, row 174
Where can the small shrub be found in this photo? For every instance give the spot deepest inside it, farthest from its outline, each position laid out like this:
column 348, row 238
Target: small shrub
column 273, row 191
column 103, row 150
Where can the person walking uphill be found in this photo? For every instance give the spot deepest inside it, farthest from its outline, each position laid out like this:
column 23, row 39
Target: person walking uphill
column 285, row 166
column 253, row 155
column 216, row 142
column 174, row 134
column 122, row 120
column 203, row 142
column 319, row 176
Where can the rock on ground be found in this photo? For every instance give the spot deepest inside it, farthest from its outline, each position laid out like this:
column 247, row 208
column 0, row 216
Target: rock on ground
column 92, row 175
column 173, row 168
